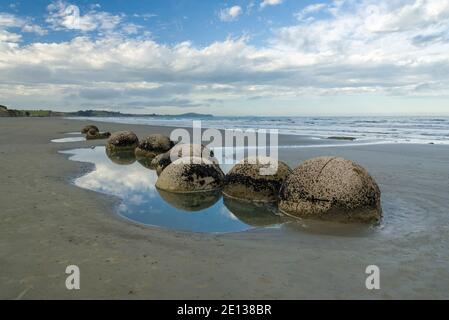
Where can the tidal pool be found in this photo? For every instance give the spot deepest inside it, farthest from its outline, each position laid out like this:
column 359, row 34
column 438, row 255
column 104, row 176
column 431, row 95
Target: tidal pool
column 134, row 183
column 71, row 139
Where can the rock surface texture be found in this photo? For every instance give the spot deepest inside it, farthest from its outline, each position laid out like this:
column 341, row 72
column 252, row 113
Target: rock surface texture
column 247, row 181
column 191, row 175
column 331, row 188
column 122, row 140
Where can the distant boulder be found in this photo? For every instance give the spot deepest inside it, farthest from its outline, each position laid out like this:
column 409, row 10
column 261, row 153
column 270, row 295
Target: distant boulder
column 93, row 134
column 153, row 145
column 123, row 140
column 86, row 129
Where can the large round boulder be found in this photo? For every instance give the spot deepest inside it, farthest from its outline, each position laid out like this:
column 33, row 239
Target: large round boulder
column 252, row 180
column 162, row 161
column 123, row 140
column 192, row 174
column 153, row 145
column 89, row 127
column 92, row 134
column 331, row 188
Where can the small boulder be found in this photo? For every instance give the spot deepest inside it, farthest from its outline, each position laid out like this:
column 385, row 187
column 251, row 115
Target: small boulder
column 188, row 175
column 92, row 134
column 86, row 129
column 247, row 180
column 153, row 145
column 331, row 188
column 123, row 140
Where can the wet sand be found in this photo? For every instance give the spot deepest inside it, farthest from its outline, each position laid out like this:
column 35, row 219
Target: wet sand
column 47, row 223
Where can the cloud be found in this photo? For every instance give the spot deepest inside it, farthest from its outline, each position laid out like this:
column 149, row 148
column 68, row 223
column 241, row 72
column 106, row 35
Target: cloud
column 384, row 48
column 230, row 14
column 310, row 9
column 8, row 21
column 266, row 3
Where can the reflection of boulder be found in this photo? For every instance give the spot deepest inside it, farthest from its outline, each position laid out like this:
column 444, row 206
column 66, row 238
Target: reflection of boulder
column 123, row 140
column 121, row 157
column 191, row 201
column 92, row 134
column 86, row 129
column 191, row 175
column 331, row 188
column 153, row 145
column 253, row 214
column 248, row 180
column 146, row 162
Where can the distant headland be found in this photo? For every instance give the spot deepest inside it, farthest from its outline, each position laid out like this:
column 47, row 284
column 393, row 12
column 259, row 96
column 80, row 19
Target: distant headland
column 5, row 112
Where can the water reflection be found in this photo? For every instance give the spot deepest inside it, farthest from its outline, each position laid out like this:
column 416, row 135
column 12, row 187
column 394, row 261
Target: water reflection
column 72, row 139
column 121, row 157
column 191, row 202
column 119, row 174
column 254, row 214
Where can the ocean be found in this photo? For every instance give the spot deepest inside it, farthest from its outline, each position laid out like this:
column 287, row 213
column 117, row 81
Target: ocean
column 388, row 129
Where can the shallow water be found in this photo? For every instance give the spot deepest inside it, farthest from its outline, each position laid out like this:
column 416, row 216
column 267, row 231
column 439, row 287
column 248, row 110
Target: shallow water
column 71, row 139
column 142, row 202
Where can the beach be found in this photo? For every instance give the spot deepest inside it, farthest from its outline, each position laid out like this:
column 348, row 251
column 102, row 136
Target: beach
column 48, row 223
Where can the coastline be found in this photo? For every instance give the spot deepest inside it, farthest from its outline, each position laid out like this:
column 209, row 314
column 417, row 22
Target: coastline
column 48, row 223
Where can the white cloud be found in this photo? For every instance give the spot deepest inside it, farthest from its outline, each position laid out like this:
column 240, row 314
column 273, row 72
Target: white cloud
column 230, row 14
column 381, row 48
column 8, row 20
column 310, row 9
column 266, row 3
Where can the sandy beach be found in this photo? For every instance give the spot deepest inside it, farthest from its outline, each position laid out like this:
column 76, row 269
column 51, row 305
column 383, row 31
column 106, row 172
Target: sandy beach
column 48, row 223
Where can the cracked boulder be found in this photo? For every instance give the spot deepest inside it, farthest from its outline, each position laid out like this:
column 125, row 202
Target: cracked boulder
column 331, row 188
column 251, row 179
column 192, row 174
column 153, row 145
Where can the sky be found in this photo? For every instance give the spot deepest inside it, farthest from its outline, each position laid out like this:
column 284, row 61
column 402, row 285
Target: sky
column 242, row 57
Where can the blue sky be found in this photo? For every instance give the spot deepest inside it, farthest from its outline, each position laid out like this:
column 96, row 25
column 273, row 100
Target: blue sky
column 247, row 57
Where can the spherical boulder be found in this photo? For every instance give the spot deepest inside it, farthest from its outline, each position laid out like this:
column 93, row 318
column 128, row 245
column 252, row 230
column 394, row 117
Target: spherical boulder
column 89, row 127
column 92, row 134
column 162, row 161
column 331, row 188
column 153, row 145
column 252, row 180
column 192, row 174
column 123, row 140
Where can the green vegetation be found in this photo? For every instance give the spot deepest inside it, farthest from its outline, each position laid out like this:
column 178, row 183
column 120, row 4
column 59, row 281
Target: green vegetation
column 5, row 112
